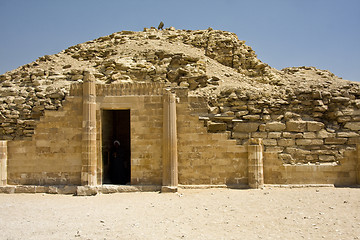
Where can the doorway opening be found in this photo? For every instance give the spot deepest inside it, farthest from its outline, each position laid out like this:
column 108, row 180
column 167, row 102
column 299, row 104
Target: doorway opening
column 116, row 152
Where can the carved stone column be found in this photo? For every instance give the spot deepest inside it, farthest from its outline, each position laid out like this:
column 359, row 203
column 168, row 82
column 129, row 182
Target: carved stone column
column 255, row 163
column 88, row 171
column 3, row 163
column 170, row 157
column 358, row 164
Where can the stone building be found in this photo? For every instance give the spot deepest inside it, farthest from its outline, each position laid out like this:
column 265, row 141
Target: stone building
column 189, row 109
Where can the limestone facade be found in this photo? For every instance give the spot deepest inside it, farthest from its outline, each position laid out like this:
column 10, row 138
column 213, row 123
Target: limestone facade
column 192, row 107
column 172, row 144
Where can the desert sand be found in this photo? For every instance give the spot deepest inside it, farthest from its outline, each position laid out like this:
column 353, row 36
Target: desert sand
column 271, row 213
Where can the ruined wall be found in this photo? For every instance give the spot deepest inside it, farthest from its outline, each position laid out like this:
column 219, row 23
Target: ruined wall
column 206, row 155
column 207, row 158
column 308, row 135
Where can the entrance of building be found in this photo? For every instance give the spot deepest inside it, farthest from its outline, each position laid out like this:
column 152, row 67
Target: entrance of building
column 116, row 152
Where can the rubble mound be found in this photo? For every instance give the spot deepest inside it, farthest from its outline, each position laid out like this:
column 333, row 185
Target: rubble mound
column 211, row 63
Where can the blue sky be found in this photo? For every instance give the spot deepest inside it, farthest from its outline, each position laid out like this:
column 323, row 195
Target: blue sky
column 284, row 33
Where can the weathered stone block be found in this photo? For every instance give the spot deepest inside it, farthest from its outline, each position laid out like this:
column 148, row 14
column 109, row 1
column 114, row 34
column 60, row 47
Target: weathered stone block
column 355, row 126
column 303, row 142
column 325, row 134
column 270, row 142
column 274, row 135
column 292, row 135
column 273, row 149
column 217, row 127
column 313, row 126
column 347, row 134
column 259, row 134
column 327, row 158
column 297, row 152
column 275, row 126
column 286, row 142
column 287, row 158
column 296, row 126
column 309, row 135
column 241, row 135
column 251, row 117
column 246, row 127
column 340, row 99
column 312, row 157
column 335, row 140
column 344, row 119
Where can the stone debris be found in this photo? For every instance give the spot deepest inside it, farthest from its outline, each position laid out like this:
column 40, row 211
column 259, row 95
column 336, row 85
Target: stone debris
column 307, row 115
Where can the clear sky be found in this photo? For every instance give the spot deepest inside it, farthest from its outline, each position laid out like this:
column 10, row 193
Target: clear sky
column 284, row 33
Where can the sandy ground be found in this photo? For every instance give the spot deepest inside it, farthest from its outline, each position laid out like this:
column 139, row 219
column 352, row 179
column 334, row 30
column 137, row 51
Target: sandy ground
column 306, row 213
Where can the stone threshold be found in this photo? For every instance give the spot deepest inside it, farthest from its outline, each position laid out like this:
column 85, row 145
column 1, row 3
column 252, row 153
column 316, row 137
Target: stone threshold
column 298, row 185
column 107, row 189
column 78, row 190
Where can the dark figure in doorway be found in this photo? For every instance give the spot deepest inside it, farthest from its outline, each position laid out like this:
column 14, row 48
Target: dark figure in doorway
column 118, row 164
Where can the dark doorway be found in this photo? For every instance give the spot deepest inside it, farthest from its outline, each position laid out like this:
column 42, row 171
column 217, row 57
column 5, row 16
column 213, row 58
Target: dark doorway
column 116, row 146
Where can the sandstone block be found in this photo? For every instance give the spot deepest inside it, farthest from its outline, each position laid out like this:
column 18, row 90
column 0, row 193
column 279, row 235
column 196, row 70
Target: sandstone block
column 309, row 135
column 335, row 140
column 216, row 127
column 292, row 135
column 270, row 142
column 325, row 134
column 241, row 135
column 303, row 142
column 259, row 134
column 340, row 99
column 308, row 142
column 355, row 126
column 344, row 119
column 287, row 158
column 327, row 158
column 251, row 117
column 275, row 126
column 312, row 157
column 313, row 126
column 296, row 126
column 347, row 134
column 297, row 152
column 274, row 149
column 286, row 142
column 274, row 135
column 246, row 127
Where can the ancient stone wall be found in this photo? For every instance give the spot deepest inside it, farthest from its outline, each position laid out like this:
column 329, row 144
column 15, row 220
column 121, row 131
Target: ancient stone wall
column 206, row 155
column 207, row 158
column 308, row 120
column 53, row 154
column 308, row 127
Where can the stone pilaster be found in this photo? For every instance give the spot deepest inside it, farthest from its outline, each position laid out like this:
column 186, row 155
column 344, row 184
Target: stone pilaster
column 358, row 164
column 170, row 157
column 88, row 171
column 255, row 163
column 3, row 163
